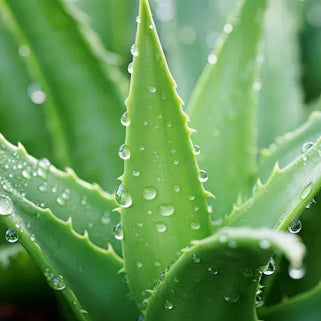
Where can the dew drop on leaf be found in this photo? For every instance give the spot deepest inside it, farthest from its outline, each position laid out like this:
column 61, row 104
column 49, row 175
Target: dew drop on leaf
column 133, row 50
column 295, row 226
column 195, row 258
column 306, row 191
column 203, row 176
column 149, row 192
column 166, row 209
column 118, row 232
column 123, row 197
column 168, row 305
column 125, row 121
column 124, row 152
column 296, row 273
column 197, row 150
column 306, row 146
column 6, row 206
column 130, row 68
column 231, row 295
column 161, row 227
column 11, row 236
column 212, row 59
column 270, row 269
column 152, row 89
column 57, row 282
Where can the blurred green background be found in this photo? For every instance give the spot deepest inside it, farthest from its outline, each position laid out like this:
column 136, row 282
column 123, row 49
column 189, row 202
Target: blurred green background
column 189, row 31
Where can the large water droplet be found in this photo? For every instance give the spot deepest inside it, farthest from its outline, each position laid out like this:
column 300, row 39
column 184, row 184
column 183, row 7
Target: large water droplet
column 6, row 206
column 161, row 227
column 124, row 152
column 296, row 273
column 130, row 68
column 149, row 192
column 11, row 236
column 166, row 209
column 295, row 226
column 306, row 191
column 134, row 50
column 123, row 197
column 168, row 305
column 125, row 121
column 270, row 269
column 203, row 176
column 118, row 232
column 57, row 282
column 306, row 146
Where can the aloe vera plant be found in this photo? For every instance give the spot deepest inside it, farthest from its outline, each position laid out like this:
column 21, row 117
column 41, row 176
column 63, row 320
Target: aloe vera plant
column 160, row 246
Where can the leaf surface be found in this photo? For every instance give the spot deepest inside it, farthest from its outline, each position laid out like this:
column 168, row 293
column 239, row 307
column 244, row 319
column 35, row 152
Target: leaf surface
column 71, row 263
column 165, row 207
column 90, row 208
column 81, row 83
column 284, row 196
column 222, row 109
column 280, row 73
column 217, row 278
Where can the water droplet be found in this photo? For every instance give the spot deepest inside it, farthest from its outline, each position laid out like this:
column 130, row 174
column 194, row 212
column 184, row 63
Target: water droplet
column 270, row 269
column 44, row 163
column 313, row 201
column 306, row 146
column 212, row 271
column 32, row 237
column 125, row 121
column 296, row 273
column 161, row 227
column 177, row 188
column 124, row 152
column 265, row 244
column 191, row 197
column 61, row 201
column 36, row 95
column 152, row 89
column 168, row 305
column 11, row 236
column 26, row 174
column 166, row 210
column 24, row 51
column 130, row 68
column 306, row 191
column 257, row 86
column 203, row 176
column 212, row 59
column 149, row 212
column 138, row 19
column 136, row 173
column 139, row 264
column 133, row 50
column 151, row 27
column 57, row 282
column 6, row 206
column 195, row 258
column 197, row 150
column 228, row 28
column 123, row 197
column 195, row 226
column 105, row 219
column 140, row 317
column 141, row 147
column 231, row 295
column 118, row 232
column 295, row 226
column 43, row 187
column 149, row 192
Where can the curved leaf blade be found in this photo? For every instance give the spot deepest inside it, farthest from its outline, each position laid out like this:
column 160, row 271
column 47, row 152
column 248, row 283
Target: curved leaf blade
column 90, row 208
column 91, row 274
column 284, row 196
column 168, row 201
column 222, row 109
column 217, row 278
column 87, row 100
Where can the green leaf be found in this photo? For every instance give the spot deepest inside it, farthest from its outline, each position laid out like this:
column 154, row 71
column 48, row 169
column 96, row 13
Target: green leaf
column 71, row 263
column 222, row 109
column 217, row 278
column 161, row 175
column 281, row 94
column 288, row 147
column 284, row 196
column 90, row 208
column 118, row 33
column 185, row 38
column 88, row 102
column 304, row 307
column 21, row 119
